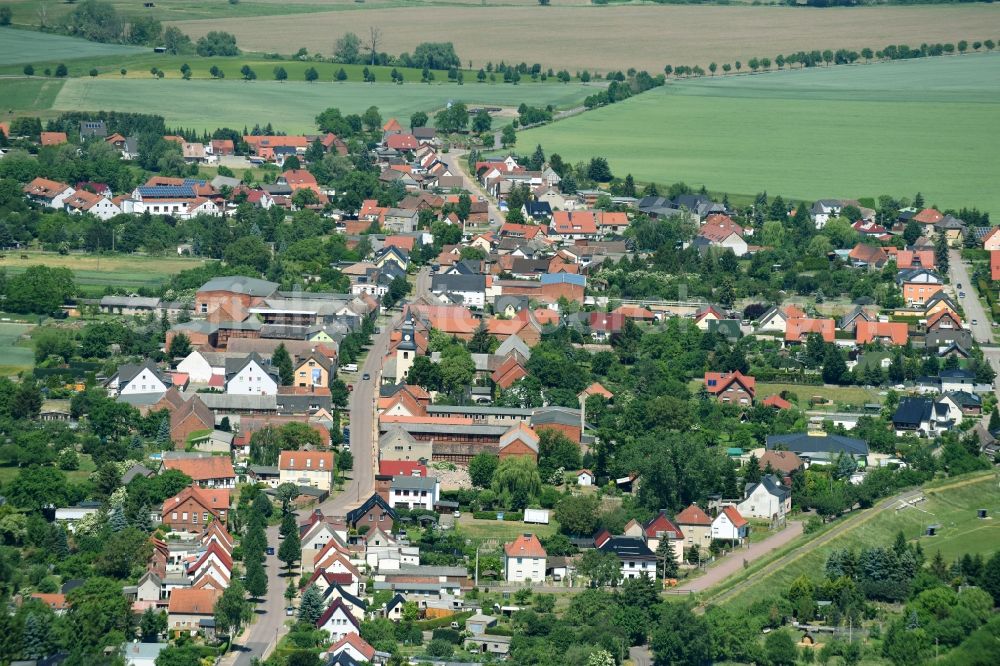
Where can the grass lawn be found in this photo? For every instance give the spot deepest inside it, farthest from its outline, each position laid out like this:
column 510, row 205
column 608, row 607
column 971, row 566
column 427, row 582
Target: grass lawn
column 479, row 530
column 291, row 106
column 94, row 272
column 833, row 132
column 15, row 355
column 953, row 508
column 852, row 395
column 87, row 466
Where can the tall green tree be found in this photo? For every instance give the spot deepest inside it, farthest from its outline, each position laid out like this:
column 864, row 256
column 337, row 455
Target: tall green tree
column 290, row 550
column 256, row 579
column 232, row 610
column 311, row 605
column 283, row 362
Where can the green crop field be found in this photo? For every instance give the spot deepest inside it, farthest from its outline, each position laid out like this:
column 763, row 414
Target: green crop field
column 293, row 105
column 839, row 132
column 14, row 356
column 29, row 94
column 23, row 46
column 954, row 509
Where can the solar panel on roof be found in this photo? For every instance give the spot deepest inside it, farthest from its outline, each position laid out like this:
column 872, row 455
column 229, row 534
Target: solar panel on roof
column 180, row 191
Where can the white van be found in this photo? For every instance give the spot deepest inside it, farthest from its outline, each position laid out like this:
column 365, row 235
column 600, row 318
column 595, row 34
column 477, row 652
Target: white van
column 349, row 367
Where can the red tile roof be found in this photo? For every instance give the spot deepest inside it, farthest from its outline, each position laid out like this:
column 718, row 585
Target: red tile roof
column 797, row 330
column 719, row 229
column 193, row 602
column 574, row 222
column 356, row 642
column 203, row 469
column 597, row 389
column 53, row 601
column 995, row 264
column 661, row 526
column 781, row 461
column 734, row 516
column 53, row 138
column 526, row 545
column 693, row 515
column 928, row 216
column 401, row 468
column 868, row 331
column 777, row 402
column 717, row 382
column 311, row 461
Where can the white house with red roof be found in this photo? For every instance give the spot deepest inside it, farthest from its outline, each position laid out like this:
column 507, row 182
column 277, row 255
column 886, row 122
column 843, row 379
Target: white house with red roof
column 353, row 645
column 707, row 314
column 524, row 559
column 98, row 205
column 731, row 387
column 47, row 192
column 730, row 525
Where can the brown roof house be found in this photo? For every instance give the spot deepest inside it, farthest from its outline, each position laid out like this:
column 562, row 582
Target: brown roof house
column 697, row 527
column 194, row 509
column 188, row 608
column 192, row 416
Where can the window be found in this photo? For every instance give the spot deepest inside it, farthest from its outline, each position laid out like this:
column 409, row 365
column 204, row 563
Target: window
column 184, row 515
column 204, row 516
column 309, row 463
column 173, row 516
column 194, row 518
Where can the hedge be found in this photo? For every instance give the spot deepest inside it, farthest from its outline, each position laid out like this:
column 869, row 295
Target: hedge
column 508, row 516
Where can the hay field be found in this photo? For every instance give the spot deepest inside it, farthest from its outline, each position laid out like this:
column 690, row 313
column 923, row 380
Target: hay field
column 612, row 37
column 292, row 105
column 894, row 128
column 15, row 355
column 92, row 272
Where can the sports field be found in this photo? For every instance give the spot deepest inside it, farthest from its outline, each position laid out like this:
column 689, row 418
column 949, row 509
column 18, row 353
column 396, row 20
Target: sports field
column 614, row 37
column 954, row 509
column 24, row 46
column 844, row 132
column 292, row 105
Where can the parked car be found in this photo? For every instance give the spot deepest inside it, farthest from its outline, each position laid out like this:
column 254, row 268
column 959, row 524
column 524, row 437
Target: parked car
column 270, row 550
column 366, row 376
column 975, row 322
column 289, row 611
column 961, row 294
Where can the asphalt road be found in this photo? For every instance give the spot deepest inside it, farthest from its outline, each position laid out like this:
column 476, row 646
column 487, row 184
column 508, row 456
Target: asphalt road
column 457, row 166
column 261, row 637
column 982, row 330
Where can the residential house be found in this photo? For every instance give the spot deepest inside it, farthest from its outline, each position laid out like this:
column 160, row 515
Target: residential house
column 467, row 290
column 573, row 225
column 707, row 314
column 191, row 610
column 799, row 330
column 849, row 322
column 923, row 417
column 775, row 319
column 524, row 560
column 192, row 509
column 134, row 379
column 824, row 210
column 312, row 370
column 885, row 332
column 375, row 512
column 729, row 525
column 98, row 205
column 250, row 376
column 207, row 471
column 658, row 528
column 191, row 417
column 306, row 468
column 731, row 387
column 818, row 446
column 338, row 621
column 354, row 646
column 697, row 527
column 721, row 232
column 768, row 499
column 780, row 462
column 868, row 256
column 414, row 492
column 633, row 553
